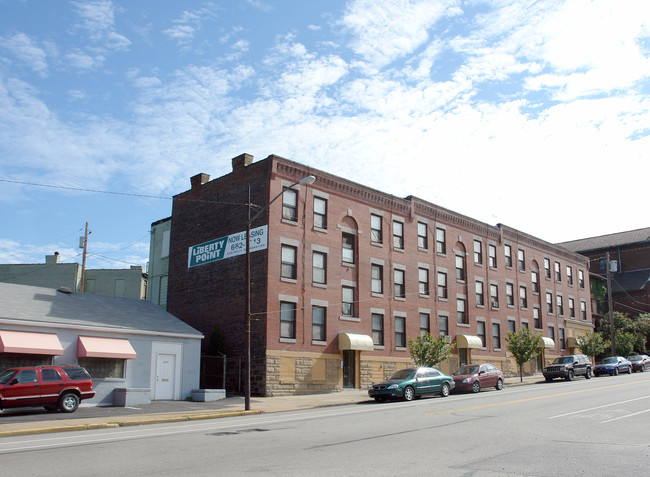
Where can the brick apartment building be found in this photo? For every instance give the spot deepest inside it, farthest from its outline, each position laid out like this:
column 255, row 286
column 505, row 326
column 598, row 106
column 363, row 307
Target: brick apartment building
column 351, row 273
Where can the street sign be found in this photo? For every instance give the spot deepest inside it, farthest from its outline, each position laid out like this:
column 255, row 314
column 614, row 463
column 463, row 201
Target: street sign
column 226, row 247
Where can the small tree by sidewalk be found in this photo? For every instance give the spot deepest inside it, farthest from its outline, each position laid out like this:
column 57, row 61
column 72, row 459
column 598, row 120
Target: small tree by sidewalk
column 592, row 344
column 429, row 351
column 524, row 346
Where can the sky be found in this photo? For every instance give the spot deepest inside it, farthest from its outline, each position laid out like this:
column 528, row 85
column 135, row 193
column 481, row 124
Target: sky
column 534, row 114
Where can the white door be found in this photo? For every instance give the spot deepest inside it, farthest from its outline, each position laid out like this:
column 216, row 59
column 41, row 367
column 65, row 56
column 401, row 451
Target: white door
column 165, row 367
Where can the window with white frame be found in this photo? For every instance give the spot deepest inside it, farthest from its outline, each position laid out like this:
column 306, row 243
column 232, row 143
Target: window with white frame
column 376, row 235
column 398, row 283
column 377, row 278
column 287, row 320
column 320, row 213
column 318, row 323
column 347, row 301
column 398, row 235
column 378, row 329
column 478, row 252
column 492, row 255
column 290, row 204
column 319, row 268
column 423, row 279
column 441, row 241
column 400, row 332
column 423, row 236
column 507, row 251
column 288, row 269
column 442, row 285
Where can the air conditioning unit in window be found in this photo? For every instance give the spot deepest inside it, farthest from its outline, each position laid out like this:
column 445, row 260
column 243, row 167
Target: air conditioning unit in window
column 495, row 304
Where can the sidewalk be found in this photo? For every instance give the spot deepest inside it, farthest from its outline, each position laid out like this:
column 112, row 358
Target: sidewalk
column 176, row 411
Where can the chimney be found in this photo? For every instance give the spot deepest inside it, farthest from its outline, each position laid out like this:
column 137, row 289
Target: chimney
column 199, row 179
column 241, row 161
column 52, row 259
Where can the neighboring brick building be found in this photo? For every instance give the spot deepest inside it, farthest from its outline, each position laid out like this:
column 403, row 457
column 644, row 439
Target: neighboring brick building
column 351, row 273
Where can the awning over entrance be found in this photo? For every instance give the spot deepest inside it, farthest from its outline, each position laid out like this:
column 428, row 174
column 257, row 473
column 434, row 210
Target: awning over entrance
column 93, row 347
column 547, row 343
column 30, row 343
column 354, row 341
column 468, row 341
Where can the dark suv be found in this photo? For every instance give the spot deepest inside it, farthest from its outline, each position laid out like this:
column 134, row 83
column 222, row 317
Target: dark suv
column 568, row 367
column 53, row 387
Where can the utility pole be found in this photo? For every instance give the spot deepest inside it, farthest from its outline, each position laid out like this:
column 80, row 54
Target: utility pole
column 83, row 263
column 612, row 332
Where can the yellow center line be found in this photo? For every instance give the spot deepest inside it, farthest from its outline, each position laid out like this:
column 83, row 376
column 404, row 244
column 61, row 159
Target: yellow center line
column 484, row 406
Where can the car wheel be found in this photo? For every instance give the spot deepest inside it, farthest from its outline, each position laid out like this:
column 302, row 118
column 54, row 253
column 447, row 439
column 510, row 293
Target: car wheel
column 69, row 402
column 588, row 374
column 444, row 392
column 409, row 393
column 476, row 387
column 499, row 385
column 570, row 376
column 616, row 372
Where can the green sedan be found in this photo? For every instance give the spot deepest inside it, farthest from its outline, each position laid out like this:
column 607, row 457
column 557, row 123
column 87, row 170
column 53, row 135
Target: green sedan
column 412, row 383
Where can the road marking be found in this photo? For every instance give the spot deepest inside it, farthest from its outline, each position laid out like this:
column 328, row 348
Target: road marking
column 484, row 406
column 623, row 417
column 598, row 407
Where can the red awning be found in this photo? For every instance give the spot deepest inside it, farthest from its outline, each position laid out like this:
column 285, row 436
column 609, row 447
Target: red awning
column 93, row 347
column 29, row 343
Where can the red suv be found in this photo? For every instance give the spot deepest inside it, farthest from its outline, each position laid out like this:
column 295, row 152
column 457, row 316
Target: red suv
column 53, row 387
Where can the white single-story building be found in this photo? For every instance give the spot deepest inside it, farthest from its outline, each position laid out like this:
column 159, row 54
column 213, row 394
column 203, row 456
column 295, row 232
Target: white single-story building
column 134, row 351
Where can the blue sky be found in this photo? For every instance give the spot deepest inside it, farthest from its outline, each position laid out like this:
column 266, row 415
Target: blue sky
column 535, row 114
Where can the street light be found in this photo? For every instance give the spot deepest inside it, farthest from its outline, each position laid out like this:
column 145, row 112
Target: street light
column 307, row 181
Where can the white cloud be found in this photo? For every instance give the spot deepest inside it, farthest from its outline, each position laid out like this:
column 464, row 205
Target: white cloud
column 27, row 51
column 98, row 19
column 185, row 28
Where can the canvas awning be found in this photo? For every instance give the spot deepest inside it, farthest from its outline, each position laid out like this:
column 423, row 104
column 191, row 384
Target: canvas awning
column 93, row 347
column 547, row 343
column 355, row 341
column 468, row 341
column 30, row 343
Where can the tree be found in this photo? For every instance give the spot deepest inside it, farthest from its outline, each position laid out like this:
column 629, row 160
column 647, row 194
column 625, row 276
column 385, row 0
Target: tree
column 429, row 351
column 524, row 346
column 592, row 344
column 625, row 343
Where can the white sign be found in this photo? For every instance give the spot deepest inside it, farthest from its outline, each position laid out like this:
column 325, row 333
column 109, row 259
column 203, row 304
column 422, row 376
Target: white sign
column 226, row 247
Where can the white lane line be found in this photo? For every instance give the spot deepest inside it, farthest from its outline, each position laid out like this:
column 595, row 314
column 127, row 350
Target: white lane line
column 599, row 407
column 623, row 417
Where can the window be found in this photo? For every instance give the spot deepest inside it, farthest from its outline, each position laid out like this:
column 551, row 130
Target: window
column 423, row 277
column 581, row 278
column 549, row 303
column 496, row 335
column 569, row 275
column 480, row 297
column 534, row 279
column 478, row 252
column 288, row 269
column 507, row 250
column 494, row 296
column 510, row 298
column 560, row 333
column 50, row 374
column 461, row 311
column 290, row 205
column 319, row 268
column 521, row 260
column 423, row 237
column 320, row 213
column 583, row 310
column 558, row 273
column 547, row 268
column 523, row 298
column 398, row 235
column 443, row 325
column 511, row 326
column 398, row 283
column 425, row 326
column 551, row 332
column 524, row 324
column 375, row 229
column 400, row 332
column 460, row 268
column 287, row 320
column 492, row 256
column 347, row 299
column 441, row 242
column 348, row 248
column 377, row 278
column 480, row 332
column 572, row 308
column 442, row 285
column 537, row 320
column 378, row 329
column 102, row 368
column 318, row 315
column 560, row 305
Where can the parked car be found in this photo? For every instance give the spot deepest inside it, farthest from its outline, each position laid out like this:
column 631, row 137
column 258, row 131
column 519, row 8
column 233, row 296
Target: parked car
column 412, row 383
column 568, row 367
column 612, row 366
column 639, row 362
column 474, row 377
column 53, row 387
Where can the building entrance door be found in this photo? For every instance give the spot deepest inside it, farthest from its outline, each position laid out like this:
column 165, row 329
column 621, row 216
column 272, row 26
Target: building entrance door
column 165, row 367
column 349, row 367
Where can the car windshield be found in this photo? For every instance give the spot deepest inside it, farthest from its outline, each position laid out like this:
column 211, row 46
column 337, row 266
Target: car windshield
column 403, row 374
column 6, row 375
column 635, row 357
column 609, row 360
column 563, row 359
column 466, row 370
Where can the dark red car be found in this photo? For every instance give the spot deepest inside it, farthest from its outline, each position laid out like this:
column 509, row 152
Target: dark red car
column 473, row 377
column 53, row 387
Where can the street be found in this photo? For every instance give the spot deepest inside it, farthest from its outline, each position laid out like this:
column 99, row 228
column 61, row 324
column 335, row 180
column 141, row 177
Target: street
column 585, row 427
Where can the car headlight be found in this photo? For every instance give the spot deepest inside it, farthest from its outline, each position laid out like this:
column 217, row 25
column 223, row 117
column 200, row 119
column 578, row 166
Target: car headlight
column 466, row 380
column 393, row 386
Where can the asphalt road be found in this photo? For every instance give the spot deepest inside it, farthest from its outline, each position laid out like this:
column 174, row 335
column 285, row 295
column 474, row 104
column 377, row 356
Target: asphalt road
column 594, row 427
